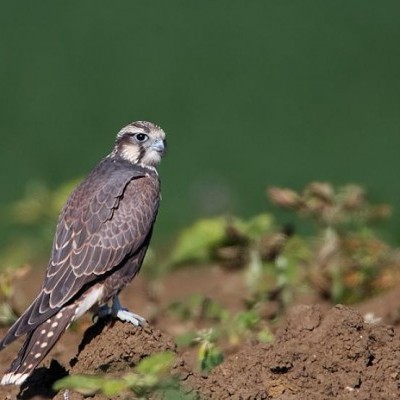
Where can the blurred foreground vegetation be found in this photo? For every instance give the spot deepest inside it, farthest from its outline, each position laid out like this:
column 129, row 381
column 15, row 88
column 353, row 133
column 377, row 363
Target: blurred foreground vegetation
column 342, row 260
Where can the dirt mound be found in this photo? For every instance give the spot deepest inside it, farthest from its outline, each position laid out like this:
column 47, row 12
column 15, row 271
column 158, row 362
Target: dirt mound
column 314, row 356
column 117, row 347
column 336, row 357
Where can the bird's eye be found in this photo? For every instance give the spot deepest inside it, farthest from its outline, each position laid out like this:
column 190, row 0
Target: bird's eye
column 141, row 137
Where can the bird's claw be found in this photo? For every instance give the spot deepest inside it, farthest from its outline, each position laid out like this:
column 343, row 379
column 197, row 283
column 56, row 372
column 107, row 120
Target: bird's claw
column 125, row 315
column 121, row 313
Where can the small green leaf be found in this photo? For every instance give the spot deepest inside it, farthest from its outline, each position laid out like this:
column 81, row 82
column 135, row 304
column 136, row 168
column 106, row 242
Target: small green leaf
column 246, row 320
column 265, row 336
column 112, row 387
column 196, row 242
column 259, row 225
column 209, row 356
column 156, row 364
column 84, row 384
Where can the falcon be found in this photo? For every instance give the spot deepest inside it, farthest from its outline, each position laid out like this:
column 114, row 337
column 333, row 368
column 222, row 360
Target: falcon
column 101, row 238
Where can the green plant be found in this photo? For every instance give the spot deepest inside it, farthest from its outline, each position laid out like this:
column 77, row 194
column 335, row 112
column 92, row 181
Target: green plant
column 209, row 355
column 228, row 329
column 346, row 257
column 221, row 239
column 150, row 375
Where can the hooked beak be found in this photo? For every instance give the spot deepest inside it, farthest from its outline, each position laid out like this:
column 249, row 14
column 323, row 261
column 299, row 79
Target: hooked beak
column 158, row 146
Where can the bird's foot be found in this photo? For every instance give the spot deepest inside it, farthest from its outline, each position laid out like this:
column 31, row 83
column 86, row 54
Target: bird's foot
column 124, row 315
column 104, row 311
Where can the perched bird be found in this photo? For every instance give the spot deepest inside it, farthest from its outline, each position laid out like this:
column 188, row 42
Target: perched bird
column 101, row 239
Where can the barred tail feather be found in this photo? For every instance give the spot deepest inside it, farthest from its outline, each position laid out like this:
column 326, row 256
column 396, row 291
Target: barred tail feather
column 24, row 323
column 37, row 345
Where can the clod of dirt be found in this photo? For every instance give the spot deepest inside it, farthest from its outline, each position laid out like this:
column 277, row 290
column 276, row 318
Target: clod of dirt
column 335, row 357
column 119, row 346
column 116, row 348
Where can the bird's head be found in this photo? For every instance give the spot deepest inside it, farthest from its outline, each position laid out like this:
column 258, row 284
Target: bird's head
column 140, row 142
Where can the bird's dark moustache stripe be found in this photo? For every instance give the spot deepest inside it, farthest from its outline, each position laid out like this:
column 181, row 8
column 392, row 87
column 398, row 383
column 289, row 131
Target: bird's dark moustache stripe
column 142, row 152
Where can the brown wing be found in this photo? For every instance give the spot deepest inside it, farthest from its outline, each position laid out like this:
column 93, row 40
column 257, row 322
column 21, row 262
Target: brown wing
column 106, row 219
column 111, row 226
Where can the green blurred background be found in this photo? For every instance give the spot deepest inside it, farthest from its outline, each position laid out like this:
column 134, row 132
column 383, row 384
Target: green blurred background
column 251, row 94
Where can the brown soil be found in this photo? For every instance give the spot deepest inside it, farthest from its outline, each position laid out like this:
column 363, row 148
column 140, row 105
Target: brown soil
column 338, row 356
column 319, row 352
